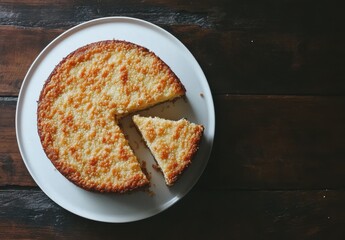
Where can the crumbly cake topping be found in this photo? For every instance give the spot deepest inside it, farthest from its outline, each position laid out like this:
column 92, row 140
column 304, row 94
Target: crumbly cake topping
column 172, row 143
column 80, row 105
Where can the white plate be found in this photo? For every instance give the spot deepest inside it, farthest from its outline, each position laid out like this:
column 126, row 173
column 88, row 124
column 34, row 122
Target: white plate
column 197, row 107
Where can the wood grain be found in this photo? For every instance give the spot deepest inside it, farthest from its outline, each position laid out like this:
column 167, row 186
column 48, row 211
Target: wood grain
column 18, row 49
column 201, row 214
column 12, row 168
column 236, row 62
column 262, row 142
column 302, row 16
column 244, row 47
column 278, row 142
column 245, row 62
column 67, row 14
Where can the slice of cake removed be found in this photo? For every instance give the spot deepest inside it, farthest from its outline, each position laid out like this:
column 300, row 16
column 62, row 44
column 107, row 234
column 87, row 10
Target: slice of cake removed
column 172, row 143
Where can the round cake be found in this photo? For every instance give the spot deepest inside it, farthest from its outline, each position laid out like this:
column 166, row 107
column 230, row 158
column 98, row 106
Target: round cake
column 81, row 103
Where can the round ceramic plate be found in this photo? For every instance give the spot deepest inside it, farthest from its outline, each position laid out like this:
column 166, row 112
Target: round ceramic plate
column 196, row 107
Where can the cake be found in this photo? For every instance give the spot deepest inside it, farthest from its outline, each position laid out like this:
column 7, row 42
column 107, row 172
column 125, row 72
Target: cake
column 172, row 143
column 80, row 106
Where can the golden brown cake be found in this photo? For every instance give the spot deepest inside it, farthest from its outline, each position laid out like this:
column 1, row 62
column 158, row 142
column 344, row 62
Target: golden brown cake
column 81, row 103
column 172, row 143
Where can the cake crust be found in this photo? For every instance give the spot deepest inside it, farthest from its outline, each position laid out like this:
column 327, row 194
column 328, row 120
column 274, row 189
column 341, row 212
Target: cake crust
column 81, row 102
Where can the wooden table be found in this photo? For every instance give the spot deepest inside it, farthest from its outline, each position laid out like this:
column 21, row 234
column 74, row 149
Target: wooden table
column 277, row 73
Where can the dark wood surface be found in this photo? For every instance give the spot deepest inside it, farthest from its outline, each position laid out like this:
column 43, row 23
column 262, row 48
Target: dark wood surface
column 276, row 72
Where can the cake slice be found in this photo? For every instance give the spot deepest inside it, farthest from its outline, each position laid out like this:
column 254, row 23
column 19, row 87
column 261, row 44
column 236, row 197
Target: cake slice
column 172, row 143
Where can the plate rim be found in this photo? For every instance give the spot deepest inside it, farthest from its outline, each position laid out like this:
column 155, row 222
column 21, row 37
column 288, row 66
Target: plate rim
column 34, row 64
